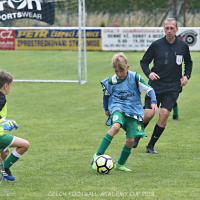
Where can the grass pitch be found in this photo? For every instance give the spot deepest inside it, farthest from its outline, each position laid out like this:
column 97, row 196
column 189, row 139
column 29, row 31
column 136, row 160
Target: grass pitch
column 65, row 123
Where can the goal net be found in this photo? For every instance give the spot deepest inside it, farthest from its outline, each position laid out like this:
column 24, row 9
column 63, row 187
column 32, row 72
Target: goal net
column 43, row 41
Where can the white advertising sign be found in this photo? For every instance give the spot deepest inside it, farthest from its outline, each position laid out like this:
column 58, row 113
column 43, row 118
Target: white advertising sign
column 129, row 39
column 140, row 38
column 191, row 36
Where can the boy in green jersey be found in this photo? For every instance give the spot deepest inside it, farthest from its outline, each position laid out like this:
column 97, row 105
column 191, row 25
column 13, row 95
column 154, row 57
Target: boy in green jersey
column 6, row 140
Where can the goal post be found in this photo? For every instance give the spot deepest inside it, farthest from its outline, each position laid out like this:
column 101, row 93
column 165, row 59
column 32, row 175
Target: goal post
column 41, row 52
column 82, row 66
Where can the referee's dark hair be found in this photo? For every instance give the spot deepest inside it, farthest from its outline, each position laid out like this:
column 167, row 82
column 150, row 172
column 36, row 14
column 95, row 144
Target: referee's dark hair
column 170, row 20
column 5, row 77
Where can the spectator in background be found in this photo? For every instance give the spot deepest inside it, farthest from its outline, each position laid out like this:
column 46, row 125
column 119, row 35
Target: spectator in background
column 116, row 24
column 35, row 23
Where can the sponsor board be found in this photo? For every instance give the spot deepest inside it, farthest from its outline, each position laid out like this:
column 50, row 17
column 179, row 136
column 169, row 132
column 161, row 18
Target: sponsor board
column 56, row 39
column 191, row 36
column 106, row 39
column 128, row 39
column 7, row 39
column 139, row 39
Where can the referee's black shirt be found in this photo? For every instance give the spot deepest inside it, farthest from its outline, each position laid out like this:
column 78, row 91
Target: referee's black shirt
column 167, row 64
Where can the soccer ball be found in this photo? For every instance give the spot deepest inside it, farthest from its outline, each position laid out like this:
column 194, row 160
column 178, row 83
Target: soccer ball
column 104, row 164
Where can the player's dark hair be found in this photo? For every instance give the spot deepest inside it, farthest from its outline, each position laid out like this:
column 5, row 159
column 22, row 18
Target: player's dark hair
column 5, row 77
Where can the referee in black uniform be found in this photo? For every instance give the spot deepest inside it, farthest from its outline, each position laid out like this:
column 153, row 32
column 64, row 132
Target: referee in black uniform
column 165, row 76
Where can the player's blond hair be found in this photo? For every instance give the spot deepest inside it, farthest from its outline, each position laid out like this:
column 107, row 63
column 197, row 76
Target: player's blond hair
column 119, row 61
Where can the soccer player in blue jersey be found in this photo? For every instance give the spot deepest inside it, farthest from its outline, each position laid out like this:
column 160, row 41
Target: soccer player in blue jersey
column 122, row 102
column 6, row 140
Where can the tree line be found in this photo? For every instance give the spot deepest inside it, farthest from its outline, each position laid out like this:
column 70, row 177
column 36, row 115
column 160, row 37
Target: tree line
column 135, row 4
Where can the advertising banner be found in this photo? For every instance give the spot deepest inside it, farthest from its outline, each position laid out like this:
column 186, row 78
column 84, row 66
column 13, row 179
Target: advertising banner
column 33, row 9
column 56, row 39
column 93, row 39
column 139, row 39
column 129, row 39
column 7, row 39
column 190, row 36
column 106, row 39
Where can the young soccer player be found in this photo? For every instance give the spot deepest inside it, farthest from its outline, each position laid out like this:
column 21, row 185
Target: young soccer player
column 6, row 140
column 123, row 102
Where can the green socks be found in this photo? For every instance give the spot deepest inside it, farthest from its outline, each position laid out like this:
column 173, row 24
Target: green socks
column 14, row 156
column 175, row 110
column 126, row 151
column 104, row 144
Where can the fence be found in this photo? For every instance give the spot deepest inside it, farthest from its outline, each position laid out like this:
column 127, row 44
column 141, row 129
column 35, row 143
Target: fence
column 140, row 18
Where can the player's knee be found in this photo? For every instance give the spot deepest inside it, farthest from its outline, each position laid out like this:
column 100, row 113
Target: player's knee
column 149, row 116
column 129, row 142
column 26, row 145
column 116, row 127
column 164, row 113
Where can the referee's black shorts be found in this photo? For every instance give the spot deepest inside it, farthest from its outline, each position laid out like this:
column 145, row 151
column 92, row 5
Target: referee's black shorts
column 166, row 100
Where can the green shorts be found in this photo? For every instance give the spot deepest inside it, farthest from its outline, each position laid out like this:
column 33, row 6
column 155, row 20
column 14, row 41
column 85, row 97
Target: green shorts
column 133, row 127
column 6, row 141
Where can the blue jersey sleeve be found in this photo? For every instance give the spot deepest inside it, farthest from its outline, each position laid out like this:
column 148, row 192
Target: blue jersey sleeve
column 151, row 93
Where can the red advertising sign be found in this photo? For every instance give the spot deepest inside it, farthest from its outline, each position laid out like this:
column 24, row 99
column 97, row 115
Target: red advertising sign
column 7, row 39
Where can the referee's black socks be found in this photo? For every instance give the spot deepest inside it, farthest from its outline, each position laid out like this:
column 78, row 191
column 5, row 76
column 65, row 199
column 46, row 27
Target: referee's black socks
column 156, row 134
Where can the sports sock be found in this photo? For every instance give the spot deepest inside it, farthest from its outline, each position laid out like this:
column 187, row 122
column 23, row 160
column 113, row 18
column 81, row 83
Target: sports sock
column 14, row 156
column 156, row 134
column 175, row 110
column 126, row 151
column 104, row 144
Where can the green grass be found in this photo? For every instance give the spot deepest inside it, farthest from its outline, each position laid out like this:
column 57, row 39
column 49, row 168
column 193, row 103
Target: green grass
column 41, row 65
column 65, row 123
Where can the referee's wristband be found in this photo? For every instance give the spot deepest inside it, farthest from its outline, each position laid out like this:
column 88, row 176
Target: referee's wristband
column 188, row 76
